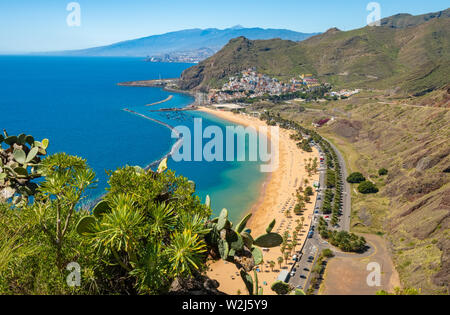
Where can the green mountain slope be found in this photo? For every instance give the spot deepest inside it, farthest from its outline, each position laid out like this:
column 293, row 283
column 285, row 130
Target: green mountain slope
column 408, row 20
column 412, row 57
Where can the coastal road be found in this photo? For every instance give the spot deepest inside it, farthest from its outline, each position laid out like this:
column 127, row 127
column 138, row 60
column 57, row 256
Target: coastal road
column 308, row 257
column 346, row 193
column 302, row 270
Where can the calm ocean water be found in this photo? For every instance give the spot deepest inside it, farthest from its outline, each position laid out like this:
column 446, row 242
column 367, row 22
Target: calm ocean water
column 76, row 103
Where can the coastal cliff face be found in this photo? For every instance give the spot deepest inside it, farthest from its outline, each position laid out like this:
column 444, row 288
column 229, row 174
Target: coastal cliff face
column 408, row 54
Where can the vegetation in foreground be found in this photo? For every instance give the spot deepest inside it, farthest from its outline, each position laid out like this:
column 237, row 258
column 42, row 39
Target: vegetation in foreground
column 150, row 234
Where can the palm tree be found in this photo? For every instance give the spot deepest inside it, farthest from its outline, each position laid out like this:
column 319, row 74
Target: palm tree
column 280, row 261
column 294, row 243
column 283, row 248
column 286, row 236
column 287, row 213
column 286, row 257
column 272, row 264
column 301, row 206
column 290, row 248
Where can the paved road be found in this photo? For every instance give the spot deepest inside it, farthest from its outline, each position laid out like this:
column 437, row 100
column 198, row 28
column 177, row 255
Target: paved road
column 301, row 270
column 346, row 192
column 308, row 257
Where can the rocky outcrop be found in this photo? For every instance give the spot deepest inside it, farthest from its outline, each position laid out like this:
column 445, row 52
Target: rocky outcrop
column 197, row 285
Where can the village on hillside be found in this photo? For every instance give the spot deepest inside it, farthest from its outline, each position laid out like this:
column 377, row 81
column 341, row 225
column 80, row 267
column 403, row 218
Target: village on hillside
column 250, row 84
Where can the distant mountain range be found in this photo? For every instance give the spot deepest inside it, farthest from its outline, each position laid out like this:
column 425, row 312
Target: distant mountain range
column 184, row 42
column 408, row 53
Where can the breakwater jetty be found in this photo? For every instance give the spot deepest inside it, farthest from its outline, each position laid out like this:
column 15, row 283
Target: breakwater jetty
column 174, row 148
column 184, row 109
column 160, row 102
column 150, row 83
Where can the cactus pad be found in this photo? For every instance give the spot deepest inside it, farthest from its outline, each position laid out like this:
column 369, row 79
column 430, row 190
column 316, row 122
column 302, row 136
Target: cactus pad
column 271, row 226
column 223, row 220
column 101, row 208
column 248, row 281
column 269, row 240
column 241, row 226
column 85, row 225
column 257, row 255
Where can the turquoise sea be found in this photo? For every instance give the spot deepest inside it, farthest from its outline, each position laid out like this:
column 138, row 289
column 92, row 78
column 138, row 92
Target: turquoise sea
column 77, row 104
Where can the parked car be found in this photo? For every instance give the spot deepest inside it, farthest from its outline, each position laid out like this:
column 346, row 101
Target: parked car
column 303, row 276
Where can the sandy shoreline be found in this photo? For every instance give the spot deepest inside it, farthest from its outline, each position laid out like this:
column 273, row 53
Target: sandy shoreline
column 277, row 193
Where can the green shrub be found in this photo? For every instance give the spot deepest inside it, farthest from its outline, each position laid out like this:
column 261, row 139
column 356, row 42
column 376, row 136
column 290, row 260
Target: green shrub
column 356, row 178
column 328, row 253
column 383, row 172
column 367, row 188
column 281, row 288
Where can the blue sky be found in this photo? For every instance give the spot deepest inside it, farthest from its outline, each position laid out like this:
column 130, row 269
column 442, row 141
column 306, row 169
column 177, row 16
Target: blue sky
column 40, row 25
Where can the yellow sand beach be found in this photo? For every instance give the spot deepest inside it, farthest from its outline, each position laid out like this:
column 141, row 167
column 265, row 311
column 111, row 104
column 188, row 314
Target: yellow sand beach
column 278, row 194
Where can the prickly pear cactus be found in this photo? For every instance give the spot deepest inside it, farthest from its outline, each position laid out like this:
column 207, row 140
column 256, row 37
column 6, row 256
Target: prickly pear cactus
column 20, row 158
column 257, row 255
column 271, row 226
column 269, row 240
column 238, row 246
column 248, row 281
